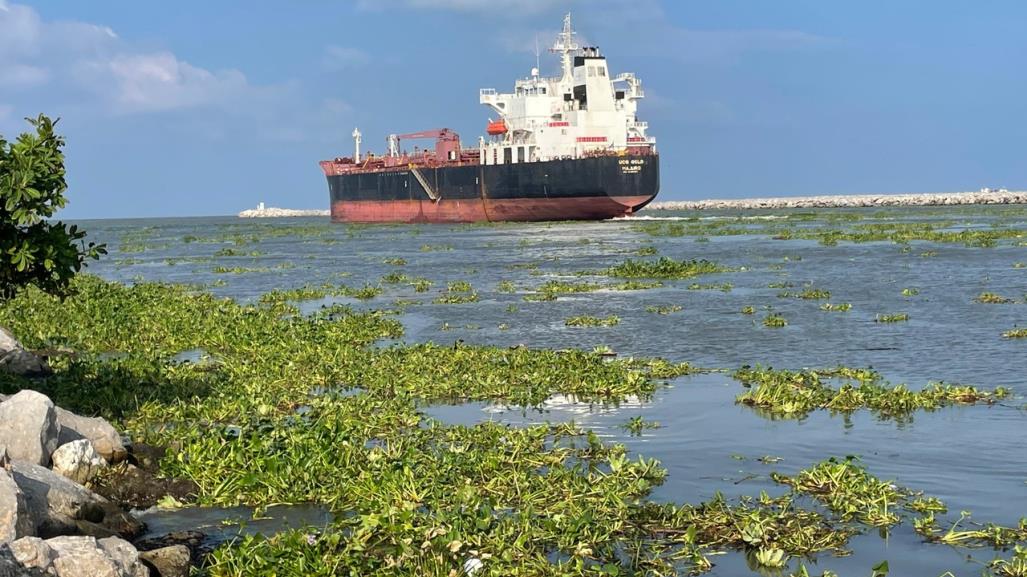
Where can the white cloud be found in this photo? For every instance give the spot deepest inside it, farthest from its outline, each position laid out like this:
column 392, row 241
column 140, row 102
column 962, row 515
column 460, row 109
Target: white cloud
column 88, row 60
column 344, row 58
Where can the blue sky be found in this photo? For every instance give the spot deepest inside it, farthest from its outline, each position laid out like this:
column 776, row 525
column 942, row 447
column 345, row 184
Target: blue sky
column 200, row 108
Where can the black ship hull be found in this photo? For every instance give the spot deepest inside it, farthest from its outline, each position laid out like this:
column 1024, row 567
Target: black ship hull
column 593, row 188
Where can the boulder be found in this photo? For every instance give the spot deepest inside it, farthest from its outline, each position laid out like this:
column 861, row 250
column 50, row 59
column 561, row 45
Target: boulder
column 33, row 552
column 55, row 503
column 78, row 461
column 15, row 359
column 24, row 363
column 10, row 567
column 170, row 561
column 15, row 520
column 7, row 341
column 125, row 556
column 87, row 557
column 99, row 432
column 28, row 427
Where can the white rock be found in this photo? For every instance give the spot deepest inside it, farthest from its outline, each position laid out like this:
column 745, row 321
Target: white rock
column 28, row 427
column 101, row 434
column 7, row 341
column 15, row 518
column 33, row 552
column 78, row 461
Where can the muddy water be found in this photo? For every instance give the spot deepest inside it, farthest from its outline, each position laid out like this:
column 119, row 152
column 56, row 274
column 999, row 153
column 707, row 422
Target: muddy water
column 970, row 457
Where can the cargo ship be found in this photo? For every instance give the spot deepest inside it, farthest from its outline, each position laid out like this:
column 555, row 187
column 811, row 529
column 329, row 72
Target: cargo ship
column 561, row 148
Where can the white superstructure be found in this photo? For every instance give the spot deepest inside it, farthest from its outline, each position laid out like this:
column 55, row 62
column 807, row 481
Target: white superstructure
column 584, row 111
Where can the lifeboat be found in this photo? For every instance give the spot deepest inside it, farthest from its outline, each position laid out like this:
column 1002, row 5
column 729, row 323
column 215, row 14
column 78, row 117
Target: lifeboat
column 497, row 127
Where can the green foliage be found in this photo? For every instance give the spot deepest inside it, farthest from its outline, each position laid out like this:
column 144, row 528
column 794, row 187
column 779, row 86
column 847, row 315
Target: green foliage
column 891, row 318
column 590, row 321
column 796, row 393
column 663, row 268
column 33, row 249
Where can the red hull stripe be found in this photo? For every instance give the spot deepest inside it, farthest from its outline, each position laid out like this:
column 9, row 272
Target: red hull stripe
column 523, row 210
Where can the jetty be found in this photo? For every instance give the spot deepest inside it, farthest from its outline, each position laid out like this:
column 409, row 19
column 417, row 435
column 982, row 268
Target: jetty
column 271, row 212
column 982, row 196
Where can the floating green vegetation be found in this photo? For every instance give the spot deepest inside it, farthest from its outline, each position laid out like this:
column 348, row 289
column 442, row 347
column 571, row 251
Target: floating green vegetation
column 780, row 285
column 846, row 488
column 436, row 247
column 227, row 251
column 1015, row 334
column 637, row 425
column 557, row 287
column 1019, row 265
column 648, row 250
column 456, row 298
column 395, row 261
column 836, row 307
column 590, row 321
column 421, row 285
column 663, row 309
column 238, row 269
column 506, row 286
column 366, row 292
column 809, row 293
column 774, row 320
column 459, row 286
column 539, row 297
column 395, row 278
column 797, row 393
column 891, row 318
column 723, row 287
column 634, row 285
column 910, row 292
column 664, row 268
column 992, row 299
column 748, row 310
column 306, row 293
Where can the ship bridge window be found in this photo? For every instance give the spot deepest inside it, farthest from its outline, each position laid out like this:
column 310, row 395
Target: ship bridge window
column 542, row 90
column 602, row 71
column 591, row 71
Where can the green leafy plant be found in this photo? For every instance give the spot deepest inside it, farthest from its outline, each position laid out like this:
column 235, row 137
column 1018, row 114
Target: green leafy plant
column 33, row 249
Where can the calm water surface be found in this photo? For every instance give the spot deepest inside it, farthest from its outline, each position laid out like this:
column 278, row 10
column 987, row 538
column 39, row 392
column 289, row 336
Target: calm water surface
column 973, row 458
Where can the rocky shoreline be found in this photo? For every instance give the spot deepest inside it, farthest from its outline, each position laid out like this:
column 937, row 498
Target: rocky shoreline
column 68, row 484
column 983, row 196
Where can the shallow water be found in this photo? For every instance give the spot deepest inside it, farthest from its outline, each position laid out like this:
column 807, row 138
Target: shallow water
column 970, row 457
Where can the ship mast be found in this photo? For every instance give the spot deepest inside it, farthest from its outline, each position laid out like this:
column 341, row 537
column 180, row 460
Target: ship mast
column 565, row 46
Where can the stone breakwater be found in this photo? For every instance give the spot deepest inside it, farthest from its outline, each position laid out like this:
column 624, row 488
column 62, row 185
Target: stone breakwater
column 851, row 201
column 272, row 212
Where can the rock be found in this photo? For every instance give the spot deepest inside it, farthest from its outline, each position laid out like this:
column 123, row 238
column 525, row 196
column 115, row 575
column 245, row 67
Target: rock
column 78, row 461
column 15, row 518
column 125, row 556
column 28, row 427
column 10, row 567
column 170, row 561
column 56, row 503
column 33, row 552
column 25, row 363
column 7, row 341
column 194, row 541
column 99, row 432
column 15, row 359
column 85, row 556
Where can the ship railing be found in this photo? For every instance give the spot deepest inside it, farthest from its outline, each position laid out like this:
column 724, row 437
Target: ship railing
column 641, row 125
column 487, row 92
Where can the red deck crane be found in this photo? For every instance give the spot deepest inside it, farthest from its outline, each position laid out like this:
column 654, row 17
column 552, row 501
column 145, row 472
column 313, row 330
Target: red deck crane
column 447, row 142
